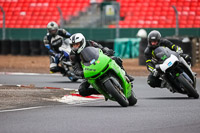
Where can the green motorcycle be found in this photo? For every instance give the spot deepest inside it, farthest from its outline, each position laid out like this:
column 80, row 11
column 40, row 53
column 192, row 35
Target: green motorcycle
column 107, row 77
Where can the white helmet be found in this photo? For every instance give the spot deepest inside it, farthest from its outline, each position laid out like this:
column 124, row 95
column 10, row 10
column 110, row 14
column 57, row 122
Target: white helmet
column 142, row 33
column 77, row 38
column 52, row 28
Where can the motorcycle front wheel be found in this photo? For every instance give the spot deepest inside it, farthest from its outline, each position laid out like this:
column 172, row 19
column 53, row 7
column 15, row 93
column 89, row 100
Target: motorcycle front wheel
column 192, row 92
column 132, row 100
column 116, row 93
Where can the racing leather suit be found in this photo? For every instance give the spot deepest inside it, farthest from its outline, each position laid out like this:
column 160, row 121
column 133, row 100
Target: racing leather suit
column 53, row 43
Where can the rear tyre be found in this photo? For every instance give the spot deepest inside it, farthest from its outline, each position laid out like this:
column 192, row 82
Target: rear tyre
column 116, row 93
column 192, row 92
column 132, row 100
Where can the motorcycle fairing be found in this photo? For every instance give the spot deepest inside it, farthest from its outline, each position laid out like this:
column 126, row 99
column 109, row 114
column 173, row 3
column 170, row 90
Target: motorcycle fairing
column 168, row 63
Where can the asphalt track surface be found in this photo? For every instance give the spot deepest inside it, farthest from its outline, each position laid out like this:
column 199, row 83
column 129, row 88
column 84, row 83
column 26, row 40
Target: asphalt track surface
column 157, row 111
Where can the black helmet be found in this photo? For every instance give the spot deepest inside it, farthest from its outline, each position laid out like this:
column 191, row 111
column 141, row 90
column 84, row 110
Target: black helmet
column 154, row 38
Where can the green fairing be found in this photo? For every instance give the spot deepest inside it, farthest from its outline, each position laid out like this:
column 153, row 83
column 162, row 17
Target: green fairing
column 100, row 67
column 96, row 67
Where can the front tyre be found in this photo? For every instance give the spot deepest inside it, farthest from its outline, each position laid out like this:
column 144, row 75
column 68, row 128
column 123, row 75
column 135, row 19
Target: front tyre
column 132, row 100
column 191, row 91
column 116, row 93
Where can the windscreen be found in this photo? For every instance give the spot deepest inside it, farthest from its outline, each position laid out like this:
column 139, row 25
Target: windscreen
column 162, row 53
column 89, row 55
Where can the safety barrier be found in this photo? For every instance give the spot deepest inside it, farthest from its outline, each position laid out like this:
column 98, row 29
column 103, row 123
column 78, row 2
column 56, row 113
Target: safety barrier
column 123, row 47
column 196, row 50
column 126, row 47
column 22, row 47
column 32, row 48
column 142, row 47
column 6, row 47
column 15, row 47
column 98, row 34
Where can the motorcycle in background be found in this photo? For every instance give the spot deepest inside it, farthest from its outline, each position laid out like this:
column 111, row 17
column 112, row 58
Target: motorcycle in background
column 173, row 69
column 66, row 63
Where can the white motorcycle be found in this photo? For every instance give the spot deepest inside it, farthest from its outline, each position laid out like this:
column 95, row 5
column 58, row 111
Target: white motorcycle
column 66, row 63
column 173, row 69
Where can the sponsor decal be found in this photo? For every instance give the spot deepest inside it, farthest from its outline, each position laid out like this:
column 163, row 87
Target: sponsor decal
column 89, row 69
column 164, row 57
column 169, row 64
column 92, row 61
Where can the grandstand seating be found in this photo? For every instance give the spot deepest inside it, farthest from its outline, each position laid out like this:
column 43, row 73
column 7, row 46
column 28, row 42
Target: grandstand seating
column 159, row 13
column 136, row 13
column 37, row 13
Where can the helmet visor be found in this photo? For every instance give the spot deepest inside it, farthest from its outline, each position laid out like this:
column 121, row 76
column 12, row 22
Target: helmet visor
column 154, row 43
column 53, row 32
column 75, row 46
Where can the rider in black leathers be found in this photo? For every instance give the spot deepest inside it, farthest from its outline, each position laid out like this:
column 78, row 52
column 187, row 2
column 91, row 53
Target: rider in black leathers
column 78, row 43
column 53, row 41
column 154, row 41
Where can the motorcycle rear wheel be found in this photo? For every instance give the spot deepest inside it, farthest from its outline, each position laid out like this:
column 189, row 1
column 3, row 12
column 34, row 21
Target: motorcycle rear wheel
column 192, row 92
column 116, row 93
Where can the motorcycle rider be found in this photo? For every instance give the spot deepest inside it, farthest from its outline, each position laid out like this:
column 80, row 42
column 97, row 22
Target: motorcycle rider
column 78, row 43
column 154, row 41
column 53, row 41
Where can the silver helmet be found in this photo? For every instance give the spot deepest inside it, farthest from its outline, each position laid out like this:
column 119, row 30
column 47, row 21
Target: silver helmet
column 52, row 28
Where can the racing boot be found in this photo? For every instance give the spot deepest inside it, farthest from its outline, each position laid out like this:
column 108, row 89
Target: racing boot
column 62, row 71
column 85, row 90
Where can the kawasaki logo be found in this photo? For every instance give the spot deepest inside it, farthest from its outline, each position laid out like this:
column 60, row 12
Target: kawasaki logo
column 88, row 69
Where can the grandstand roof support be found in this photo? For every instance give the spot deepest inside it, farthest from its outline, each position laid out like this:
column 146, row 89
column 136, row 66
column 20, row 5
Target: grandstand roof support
column 117, row 8
column 61, row 17
column 4, row 24
column 177, row 23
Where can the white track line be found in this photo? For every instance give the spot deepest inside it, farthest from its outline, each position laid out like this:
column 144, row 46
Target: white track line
column 21, row 109
column 21, row 73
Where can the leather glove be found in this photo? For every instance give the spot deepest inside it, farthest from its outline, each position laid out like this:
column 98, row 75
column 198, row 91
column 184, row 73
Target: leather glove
column 179, row 51
column 108, row 51
column 155, row 73
column 111, row 52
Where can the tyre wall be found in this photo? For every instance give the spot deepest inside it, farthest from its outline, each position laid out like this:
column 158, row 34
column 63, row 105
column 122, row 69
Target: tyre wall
column 22, row 47
column 33, row 47
column 127, row 47
column 142, row 47
column 5, row 47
